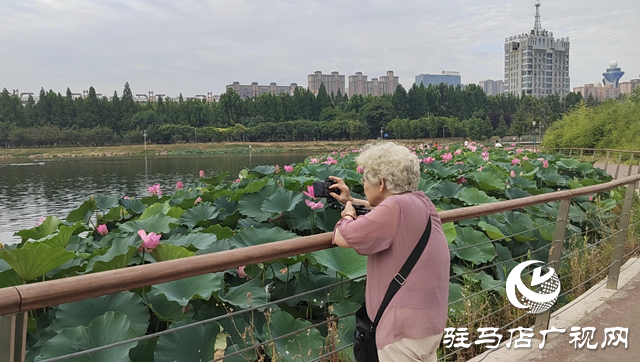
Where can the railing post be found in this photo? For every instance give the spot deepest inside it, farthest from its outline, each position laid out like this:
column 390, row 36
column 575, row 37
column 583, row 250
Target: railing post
column 630, row 165
column 606, row 163
column 618, row 168
column 594, row 156
column 555, row 253
column 581, row 152
column 13, row 337
column 570, row 151
column 616, row 256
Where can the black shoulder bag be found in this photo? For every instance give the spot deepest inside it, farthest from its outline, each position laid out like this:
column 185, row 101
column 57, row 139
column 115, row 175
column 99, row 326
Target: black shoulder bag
column 364, row 348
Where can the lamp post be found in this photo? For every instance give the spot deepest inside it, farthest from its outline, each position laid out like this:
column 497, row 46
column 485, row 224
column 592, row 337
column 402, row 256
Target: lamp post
column 540, row 133
column 381, row 134
column 144, row 133
column 532, row 134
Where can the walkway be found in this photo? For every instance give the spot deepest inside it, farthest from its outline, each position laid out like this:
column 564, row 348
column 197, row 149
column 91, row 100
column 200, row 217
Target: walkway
column 598, row 307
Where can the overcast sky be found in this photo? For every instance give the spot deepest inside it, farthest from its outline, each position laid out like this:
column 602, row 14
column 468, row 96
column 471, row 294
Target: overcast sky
column 196, row 47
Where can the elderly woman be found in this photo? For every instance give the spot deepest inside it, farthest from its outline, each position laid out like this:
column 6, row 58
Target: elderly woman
column 412, row 325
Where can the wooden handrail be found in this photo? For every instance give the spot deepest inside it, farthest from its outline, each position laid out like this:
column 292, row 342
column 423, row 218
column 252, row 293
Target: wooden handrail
column 27, row 297
column 588, row 149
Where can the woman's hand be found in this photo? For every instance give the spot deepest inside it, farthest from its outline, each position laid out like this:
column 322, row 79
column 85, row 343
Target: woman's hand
column 345, row 194
column 349, row 210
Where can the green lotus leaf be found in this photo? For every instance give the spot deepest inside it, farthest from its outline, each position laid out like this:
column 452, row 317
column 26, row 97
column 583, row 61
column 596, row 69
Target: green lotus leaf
column 449, row 231
column 251, row 188
column 281, row 201
column 473, row 196
column 488, row 283
column 505, row 267
column 226, row 207
column 455, row 294
column 468, row 238
column 36, row 260
column 516, row 223
column 105, row 203
column 442, row 170
column 304, row 346
column 82, row 213
column 184, row 290
column 199, row 214
column 165, row 310
column 196, row 343
column 143, row 352
column 448, row 189
column 488, row 181
column 300, row 217
column 48, row 227
column 569, row 163
column 158, row 224
column 196, row 240
column 219, row 231
column 155, row 209
column 523, row 183
column 247, row 295
column 554, row 179
column 164, row 252
column 344, row 261
column 116, row 256
column 344, row 308
column 492, row 231
column 64, row 235
column 257, row 236
column 265, row 169
column 217, row 179
column 108, row 328
column 574, row 184
column 133, row 206
column 516, row 193
column 8, row 277
column 327, row 218
column 82, row 312
column 250, row 206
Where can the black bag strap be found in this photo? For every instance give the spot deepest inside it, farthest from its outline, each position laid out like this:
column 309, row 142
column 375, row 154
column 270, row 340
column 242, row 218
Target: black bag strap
column 401, row 277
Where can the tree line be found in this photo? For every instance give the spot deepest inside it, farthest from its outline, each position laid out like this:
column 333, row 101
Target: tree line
column 421, row 112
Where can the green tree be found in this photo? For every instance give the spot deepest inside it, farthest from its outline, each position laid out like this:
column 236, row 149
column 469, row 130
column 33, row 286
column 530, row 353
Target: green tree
column 502, row 128
column 400, row 102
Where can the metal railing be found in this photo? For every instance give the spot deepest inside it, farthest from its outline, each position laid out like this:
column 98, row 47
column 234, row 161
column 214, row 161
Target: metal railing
column 595, row 154
column 16, row 301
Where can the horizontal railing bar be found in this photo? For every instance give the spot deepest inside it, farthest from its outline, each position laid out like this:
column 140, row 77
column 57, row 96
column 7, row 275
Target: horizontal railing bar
column 53, row 292
column 589, row 149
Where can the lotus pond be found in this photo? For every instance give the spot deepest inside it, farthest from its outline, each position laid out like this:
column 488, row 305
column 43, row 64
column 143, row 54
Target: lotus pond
column 266, row 204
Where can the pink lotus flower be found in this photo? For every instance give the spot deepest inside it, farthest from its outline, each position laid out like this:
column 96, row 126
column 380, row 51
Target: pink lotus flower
column 484, row 154
column 446, row 148
column 126, row 197
column 458, row 152
column 277, row 169
column 314, row 205
column 155, row 190
column 462, row 180
column 41, row 220
column 198, row 200
column 179, row 185
column 288, row 168
column 480, row 169
column 149, row 241
column 545, row 164
column 459, row 163
column 515, row 161
column 241, row 272
column 201, row 173
column 102, row 230
column 521, row 173
column 447, row 157
column 513, row 144
column 591, row 198
column 485, row 158
column 237, row 181
column 330, row 161
column 513, row 173
column 313, row 160
column 359, row 169
column 519, row 151
column 428, row 160
column 525, row 158
column 472, row 148
column 485, row 148
column 309, row 192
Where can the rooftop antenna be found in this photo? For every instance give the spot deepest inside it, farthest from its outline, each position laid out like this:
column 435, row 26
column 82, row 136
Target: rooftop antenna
column 537, row 26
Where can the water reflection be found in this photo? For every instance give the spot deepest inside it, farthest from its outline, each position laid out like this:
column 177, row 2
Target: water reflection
column 29, row 190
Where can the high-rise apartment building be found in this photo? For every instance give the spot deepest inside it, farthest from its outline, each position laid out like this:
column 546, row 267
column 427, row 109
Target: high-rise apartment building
column 254, row 89
column 333, row 82
column 492, row 87
column 358, row 84
column 629, row 87
column 447, row 77
column 598, row 91
column 535, row 63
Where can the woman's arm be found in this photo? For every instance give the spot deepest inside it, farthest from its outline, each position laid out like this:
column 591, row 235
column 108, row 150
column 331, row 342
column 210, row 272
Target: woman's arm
column 339, row 240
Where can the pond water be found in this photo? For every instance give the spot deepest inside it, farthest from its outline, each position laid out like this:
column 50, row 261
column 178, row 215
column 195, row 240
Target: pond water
column 30, row 189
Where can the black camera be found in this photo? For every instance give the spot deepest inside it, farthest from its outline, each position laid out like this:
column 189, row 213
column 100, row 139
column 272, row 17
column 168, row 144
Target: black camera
column 321, row 189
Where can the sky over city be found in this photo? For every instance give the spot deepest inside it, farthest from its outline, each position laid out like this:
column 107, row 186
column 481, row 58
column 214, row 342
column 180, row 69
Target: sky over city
column 194, row 47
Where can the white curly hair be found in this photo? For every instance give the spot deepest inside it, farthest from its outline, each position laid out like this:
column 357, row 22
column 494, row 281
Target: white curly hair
column 395, row 164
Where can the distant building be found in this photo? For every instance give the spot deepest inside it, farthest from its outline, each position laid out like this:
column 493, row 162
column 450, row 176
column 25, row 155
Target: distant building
column 492, row 87
column 447, row 77
column 255, row 90
column 598, row 91
column 332, row 83
column 535, row 63
column 612, row 75
column 358, row 84
column 629, row 87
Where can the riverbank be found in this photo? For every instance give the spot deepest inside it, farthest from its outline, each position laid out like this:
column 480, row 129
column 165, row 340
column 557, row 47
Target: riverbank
column 189, row 148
